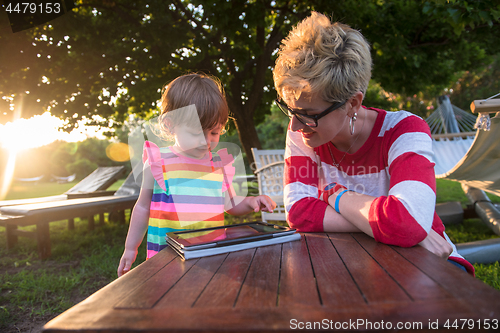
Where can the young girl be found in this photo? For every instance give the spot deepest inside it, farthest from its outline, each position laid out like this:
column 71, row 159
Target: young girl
column 186, row 186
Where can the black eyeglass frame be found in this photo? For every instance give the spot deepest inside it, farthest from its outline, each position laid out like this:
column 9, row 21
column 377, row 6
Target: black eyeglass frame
column 290, row 113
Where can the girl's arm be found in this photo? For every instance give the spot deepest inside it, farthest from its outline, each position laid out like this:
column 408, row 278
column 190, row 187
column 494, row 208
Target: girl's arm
column 138, row 223
column 238, row 205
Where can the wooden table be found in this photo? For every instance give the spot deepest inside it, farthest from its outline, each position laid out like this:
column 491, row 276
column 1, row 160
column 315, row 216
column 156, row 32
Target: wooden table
column 324, row 281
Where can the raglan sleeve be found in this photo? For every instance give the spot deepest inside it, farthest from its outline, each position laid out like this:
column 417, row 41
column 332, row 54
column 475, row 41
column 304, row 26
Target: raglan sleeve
column 304, row 210
column 406, row 215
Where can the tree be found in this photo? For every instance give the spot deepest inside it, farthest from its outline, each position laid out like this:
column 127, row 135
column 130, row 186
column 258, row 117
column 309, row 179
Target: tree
column 103, row 49
column 479, row 84
column 421, row 45
column 111, row 58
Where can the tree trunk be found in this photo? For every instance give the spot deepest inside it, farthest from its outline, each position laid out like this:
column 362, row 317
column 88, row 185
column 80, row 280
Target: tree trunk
column 248, row 136
column 245, row 125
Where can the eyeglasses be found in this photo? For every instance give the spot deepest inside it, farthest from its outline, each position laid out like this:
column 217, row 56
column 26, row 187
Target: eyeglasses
column 308, row 120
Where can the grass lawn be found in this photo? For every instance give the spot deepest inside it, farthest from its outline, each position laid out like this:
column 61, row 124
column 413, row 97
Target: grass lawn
column 34, row 291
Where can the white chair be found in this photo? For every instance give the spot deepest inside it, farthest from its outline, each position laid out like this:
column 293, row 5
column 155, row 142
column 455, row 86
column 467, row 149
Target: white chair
column 270, row 166
column 265, row 157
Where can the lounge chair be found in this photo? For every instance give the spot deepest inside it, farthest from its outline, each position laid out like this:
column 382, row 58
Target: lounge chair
column 42, row 213
column 94, row 184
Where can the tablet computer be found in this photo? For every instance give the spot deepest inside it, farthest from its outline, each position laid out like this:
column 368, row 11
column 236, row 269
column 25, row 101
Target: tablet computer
column 225, row 235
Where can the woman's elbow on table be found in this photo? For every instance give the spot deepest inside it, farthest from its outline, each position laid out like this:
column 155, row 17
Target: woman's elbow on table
column 402, row 237
column 395, row 226
column 306, row 215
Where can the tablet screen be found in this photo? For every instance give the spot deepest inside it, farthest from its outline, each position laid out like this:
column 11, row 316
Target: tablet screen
column 226, row 233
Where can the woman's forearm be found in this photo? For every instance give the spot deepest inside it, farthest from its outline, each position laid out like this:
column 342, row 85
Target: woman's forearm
column 354, row 211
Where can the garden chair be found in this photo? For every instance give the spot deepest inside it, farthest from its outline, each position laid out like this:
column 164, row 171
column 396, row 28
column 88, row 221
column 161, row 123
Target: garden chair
column 269, row 172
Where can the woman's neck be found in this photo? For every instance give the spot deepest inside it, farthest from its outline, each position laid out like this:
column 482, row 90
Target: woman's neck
column 362, row 129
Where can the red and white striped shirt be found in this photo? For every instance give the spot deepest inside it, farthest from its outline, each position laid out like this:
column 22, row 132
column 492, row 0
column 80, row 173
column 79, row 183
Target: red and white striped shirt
column 395, row 165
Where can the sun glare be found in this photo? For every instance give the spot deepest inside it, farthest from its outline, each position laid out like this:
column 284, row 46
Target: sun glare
column 8, row 173
column 37, row 131
column 40, row 130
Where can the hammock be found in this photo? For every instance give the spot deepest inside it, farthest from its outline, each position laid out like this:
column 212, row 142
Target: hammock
column 472, row 159
column 30, row 180
column 449, row 118
column 479, row 166
column 63, row 180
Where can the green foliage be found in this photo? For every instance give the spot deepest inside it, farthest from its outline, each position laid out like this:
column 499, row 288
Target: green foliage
column 112, row 58
column 82, row 262
column 42, row 291
column 62, row 159
column 24, row 191
column 378, row 98
column 489, row 274
column 272, row 131
column 476, row 84
column 450, row 191
column 81, row 167
column 469, row 230
column 418, row 46
column 46, row 160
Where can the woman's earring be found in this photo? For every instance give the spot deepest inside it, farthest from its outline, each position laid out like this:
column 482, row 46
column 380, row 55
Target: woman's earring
column 351, row 123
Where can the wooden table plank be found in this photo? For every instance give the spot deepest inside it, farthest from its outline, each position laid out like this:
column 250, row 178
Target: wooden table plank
column 297, row 282
column 369, row 276
column 187, row 290
column 261, row 284
column 148, row 294
column 224, row 288
column 410, row 278
column 265, row 320
column 455, row 281
column 100, row 304
column 335, row 283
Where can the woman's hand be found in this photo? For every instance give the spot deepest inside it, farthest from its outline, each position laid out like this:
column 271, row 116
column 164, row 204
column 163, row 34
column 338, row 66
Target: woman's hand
column 436, row 244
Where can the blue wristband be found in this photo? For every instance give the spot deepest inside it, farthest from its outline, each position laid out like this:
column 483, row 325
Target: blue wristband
column 337, row 200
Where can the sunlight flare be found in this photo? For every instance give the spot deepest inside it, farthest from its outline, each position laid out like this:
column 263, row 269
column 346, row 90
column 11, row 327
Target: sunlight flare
column 8, row 174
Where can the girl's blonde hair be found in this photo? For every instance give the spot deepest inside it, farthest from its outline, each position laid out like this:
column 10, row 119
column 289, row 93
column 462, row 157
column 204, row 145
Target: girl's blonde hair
column 204, row 91
column 320, row 57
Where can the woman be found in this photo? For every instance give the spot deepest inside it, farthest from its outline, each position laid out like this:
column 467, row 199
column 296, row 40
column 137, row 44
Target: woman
column 350, row 168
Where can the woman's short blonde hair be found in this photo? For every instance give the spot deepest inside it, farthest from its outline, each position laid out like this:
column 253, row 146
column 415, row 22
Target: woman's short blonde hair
column 204, row 91
column 318, row 56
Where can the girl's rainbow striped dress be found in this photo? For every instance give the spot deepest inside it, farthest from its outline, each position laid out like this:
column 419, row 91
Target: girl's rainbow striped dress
column 188, row 193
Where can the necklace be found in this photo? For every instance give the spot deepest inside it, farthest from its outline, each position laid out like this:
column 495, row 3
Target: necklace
column 337, row 165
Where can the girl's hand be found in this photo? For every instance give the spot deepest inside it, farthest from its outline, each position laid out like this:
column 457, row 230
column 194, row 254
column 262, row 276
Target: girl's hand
column 262, row 202
column 437, row 245
column 126, row 261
